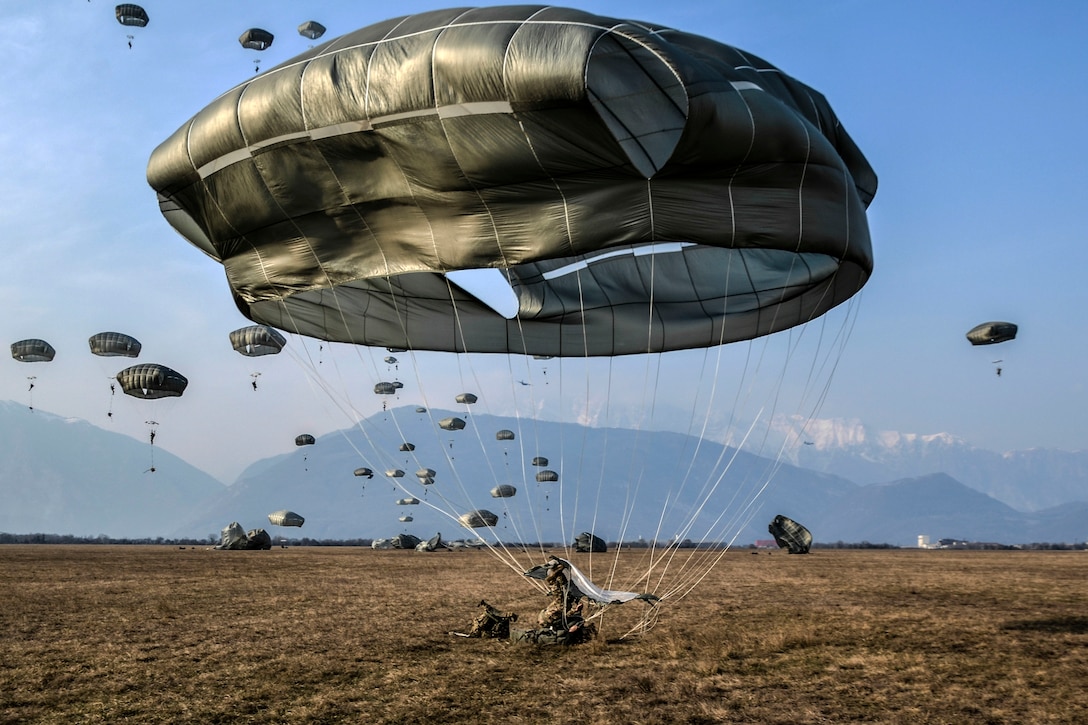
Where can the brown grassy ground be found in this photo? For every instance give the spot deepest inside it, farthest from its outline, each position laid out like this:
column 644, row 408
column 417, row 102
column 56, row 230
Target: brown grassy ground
column 164, row 635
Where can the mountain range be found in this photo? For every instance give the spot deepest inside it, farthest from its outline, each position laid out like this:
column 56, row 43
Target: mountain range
column 845, row 483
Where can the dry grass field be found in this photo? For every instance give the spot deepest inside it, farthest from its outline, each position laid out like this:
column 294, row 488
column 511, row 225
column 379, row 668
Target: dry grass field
column 323, row 635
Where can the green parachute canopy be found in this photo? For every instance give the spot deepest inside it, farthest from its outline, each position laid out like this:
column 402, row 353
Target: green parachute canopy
column 789, row 534
column 131, row 15
column 32, row 350
column 991, row 333
column 114, row 344
column 590, row 164
column 151, row 381
column 257, row 340
column 285, row 518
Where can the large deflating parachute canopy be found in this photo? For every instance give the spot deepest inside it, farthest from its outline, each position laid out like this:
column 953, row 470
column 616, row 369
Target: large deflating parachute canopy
column 32, row 350
column 114, row 344
column 594, row 164
column 151, row 381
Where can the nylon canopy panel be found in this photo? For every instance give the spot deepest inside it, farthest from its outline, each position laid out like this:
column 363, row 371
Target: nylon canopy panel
column 641, row 189
column 32, row 350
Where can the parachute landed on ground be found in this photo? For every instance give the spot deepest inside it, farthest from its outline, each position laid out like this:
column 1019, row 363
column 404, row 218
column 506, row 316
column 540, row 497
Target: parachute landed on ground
column 285, row 518
column 587, row 542
column 789, row 534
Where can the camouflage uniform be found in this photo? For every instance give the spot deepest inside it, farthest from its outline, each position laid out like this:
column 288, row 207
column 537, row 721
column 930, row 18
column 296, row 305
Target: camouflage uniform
column 492, row 623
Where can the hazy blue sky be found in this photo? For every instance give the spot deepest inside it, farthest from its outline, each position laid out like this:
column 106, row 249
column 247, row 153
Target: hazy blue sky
column 972, row 114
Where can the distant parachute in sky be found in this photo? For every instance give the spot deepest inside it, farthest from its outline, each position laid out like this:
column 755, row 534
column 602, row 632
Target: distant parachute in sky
column 452, row 423
column 479, row 518
column 151, row 381
column 385, row 388
column 363, row 471
column 305, row 440
column 285, row 518
column 257, row 340
column 131, row 15
column 503, row 491
column 466, row 398
column 504, row 435
column 789, row 534
column 32, row 350
column 547, row 476
column 256, row 39
column 991, row 333
column 114, row 344
column 311, row 29
column 540, row 461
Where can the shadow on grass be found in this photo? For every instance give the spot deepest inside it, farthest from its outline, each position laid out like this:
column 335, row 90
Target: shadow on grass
column 1068, row 625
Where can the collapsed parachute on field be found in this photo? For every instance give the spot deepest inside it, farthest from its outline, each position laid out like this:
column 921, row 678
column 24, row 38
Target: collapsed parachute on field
column 114, row 344
column 405, row 541
column 432, row 544
column 991, row 333
column 664, row 165
column 151, row 381
column 789, row 534
column 235, row 538
column 587, row 542
column 285, row 518
column 257, row 340
column 582, row 586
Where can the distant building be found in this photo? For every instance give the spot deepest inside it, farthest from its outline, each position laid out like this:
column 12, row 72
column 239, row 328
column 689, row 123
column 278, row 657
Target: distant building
column 923, row 541
column 766, row 544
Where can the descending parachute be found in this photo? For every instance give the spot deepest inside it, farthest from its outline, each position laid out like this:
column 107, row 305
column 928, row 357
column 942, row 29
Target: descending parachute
column 641, row 190
column 411, row 501
column 503, row 491
column 32, row 350
column 394, row 473
column 547, row 476
column 540, row 461
column 405, row 518
column 305, row 440
column 404, row 447
column 257, row 340
column 311, row 29
column 285, row 518
column 132, row 16
column 478, row 518
column 151, row 381
column 362, row 471
column 114, row 344
column 467, row 398
column 385, row 388
column 504, row 435
column 991, row 333
column 256, row 39
column 789, row 534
